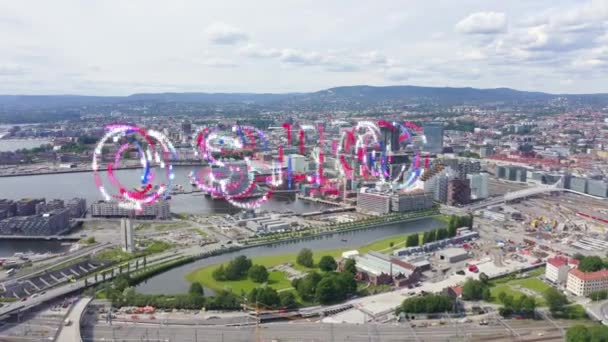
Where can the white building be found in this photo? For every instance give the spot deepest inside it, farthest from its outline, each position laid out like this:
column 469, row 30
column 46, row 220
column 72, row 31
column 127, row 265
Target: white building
column 298, row 163
column 479, row 185
column 584, row 283
column 557, row 269
column 126, row 233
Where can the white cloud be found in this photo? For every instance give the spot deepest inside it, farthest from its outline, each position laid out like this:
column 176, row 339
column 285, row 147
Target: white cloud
column 223, row 34
column 483, row 23
column 271, row 46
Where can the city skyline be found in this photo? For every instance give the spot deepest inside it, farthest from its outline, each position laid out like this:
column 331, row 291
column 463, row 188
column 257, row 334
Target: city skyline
column 109, row 48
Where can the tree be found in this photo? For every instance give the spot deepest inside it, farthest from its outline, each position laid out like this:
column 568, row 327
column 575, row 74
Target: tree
column 474, row 290
column 307, row 285
column 441, row 234
column 591, row 264
column 196, row 289
column 555, row 300
column 237, row 268
column 218, row 274
column 412, row 240
column 452, row 231
column 350, row 266
column 287, row 299
column 326, row 291
column 433, row 235
column 327, row 263
column 267, row 296
column 305, row 258
column 578, row 333
column 258, row 274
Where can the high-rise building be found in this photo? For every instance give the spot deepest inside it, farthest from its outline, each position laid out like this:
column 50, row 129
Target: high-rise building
column 459, row 192
column 126, row 233
column 187, row 127
column 433, row 131
column 479, row 185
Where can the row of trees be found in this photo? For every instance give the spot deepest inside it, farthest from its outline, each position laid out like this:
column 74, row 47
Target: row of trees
column 121, row 293
column 454, row 223
column 431, row 303
column 306, row 259
column 267, row 297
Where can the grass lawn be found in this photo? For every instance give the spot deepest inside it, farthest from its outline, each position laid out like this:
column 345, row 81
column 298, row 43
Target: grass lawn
column 533, row 284
column 276, row 279
column 509, row 286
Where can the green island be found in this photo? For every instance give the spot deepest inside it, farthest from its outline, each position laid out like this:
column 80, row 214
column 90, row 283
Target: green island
column 277, row 279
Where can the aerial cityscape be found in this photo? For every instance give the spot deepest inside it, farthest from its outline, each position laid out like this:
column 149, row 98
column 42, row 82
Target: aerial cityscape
column 304, row 171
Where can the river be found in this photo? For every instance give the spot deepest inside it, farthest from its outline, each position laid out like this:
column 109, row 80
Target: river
column 10, row 247
column 173, row 281
column 82, row 184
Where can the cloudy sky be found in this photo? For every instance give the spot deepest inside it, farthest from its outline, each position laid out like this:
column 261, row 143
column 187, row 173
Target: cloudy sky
column 119, row 47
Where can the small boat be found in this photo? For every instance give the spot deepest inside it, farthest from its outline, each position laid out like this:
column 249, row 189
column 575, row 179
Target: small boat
column 344, row 240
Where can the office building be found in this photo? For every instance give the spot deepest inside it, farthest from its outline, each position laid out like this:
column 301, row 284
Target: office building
column 158, row 211
column 27, row 206
column 433, row 131
column 585, row 283
column 411, row 201
column 126, row 233
column 77, row 207
column 47, row 224
column 558, row 267
column 373, row 202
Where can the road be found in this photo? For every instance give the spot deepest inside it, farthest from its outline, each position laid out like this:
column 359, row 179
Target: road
column 71, row 332
column 308, row 331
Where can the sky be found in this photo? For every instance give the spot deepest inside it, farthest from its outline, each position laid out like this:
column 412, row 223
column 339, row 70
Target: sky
column 120, row 47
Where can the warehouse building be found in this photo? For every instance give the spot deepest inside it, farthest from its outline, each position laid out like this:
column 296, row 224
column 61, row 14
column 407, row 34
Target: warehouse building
column 378, row 269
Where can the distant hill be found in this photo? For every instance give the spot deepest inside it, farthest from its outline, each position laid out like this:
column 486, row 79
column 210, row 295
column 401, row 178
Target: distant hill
column 339, row 97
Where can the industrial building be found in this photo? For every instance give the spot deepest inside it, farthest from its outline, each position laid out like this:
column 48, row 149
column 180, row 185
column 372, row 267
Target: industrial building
column 453, row 255
column 596, row 187
column 378, row 268
column 158, row 211
column 268, row 225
